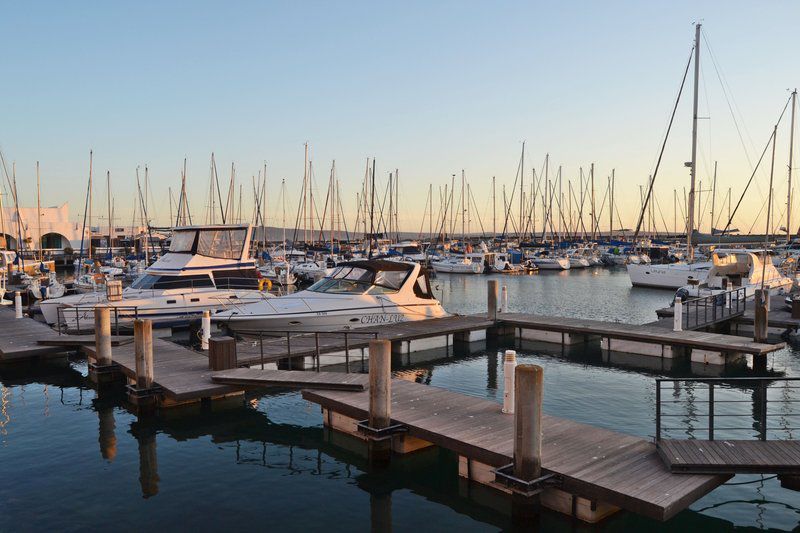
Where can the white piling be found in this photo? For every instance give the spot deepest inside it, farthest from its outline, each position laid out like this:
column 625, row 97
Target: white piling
column 504, row 299
column 206, row 333
column 509, row 365
column 677, row 324
column 18, row 304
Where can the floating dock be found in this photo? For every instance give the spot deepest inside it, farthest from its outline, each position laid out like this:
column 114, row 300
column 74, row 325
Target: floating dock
column 604, row 469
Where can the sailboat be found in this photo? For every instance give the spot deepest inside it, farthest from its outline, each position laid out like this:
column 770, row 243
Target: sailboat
column 673, row 276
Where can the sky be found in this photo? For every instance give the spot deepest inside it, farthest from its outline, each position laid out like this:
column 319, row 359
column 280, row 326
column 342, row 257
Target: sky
column 429, row 88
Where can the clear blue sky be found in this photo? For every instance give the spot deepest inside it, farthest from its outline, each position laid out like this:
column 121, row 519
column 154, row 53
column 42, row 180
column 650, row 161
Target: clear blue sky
column 426, row 87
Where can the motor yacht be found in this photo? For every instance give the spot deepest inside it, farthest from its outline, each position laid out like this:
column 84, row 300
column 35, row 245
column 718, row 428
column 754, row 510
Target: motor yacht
column 670, row 276
column 735, row 269
column 355, row 294
column 206, row 268
column 456, row 264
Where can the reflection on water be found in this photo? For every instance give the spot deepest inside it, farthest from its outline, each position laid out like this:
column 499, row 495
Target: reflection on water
column 266, row 459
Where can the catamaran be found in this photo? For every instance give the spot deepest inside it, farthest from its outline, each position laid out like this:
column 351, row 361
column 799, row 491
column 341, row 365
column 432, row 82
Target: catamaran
column 355, row 294
column 206, row 268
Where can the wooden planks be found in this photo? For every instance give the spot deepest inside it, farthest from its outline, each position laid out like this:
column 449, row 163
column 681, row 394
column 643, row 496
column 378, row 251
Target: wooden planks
column 19, row 338
column 642, row 333
column 292, row 378
column 731, row 456
column 182, row 373
column 252, row 350
column 618, row 469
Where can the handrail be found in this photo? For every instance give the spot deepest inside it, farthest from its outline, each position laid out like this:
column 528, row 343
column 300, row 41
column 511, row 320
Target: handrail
column 721, row 305
column 61, row 315
column 758, row 417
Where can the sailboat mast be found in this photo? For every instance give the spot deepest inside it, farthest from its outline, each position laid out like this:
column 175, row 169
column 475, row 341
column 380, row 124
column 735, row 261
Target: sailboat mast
column 713, row 197
column 789, row 187
column 110, row 223
column 494, row 209
column 611, row 211
column 39, row 211
column 521, row 192
column 305, row 193
column 594, row 215
column 89, row 253
column 690, row 218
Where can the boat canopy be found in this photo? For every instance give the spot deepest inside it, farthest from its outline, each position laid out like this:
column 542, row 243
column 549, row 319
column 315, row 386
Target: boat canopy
column 220, row 242
column 365, row 277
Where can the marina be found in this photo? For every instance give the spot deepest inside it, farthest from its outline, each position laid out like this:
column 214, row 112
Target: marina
column 341, row 280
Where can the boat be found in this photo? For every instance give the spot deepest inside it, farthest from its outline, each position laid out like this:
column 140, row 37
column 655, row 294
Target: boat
column 43, row 287
column 354, row 295
column 207, row 268
column 671, row 276
column 546, row 261
column 455, row 264
column 736, row 269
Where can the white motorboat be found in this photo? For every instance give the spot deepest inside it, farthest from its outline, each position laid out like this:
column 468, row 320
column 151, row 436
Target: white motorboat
column 671, row 276
column 408, row 250
column 278, row 273
column 206, row 268
column 735, row 269
column 355, row 294
column 547, row 261
column 458, row 265
column 577, row 259
column 44, row 287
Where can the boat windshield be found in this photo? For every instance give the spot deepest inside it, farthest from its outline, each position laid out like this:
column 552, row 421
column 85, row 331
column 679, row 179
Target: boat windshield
column 221, row 243
column 182, row 241
column 356, row 280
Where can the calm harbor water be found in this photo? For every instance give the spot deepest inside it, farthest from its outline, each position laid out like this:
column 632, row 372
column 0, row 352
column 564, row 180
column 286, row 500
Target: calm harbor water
column 73, row 460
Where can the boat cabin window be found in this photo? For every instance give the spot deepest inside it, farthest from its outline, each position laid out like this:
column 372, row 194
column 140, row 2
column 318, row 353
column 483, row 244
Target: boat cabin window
column 356, row 280
column 182, row 241
column 222, row 243
column 149, row 281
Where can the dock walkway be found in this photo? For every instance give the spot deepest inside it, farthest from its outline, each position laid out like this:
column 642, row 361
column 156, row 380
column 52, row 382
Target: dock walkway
column 599, row 464
column 731, row 456
column 642, row 333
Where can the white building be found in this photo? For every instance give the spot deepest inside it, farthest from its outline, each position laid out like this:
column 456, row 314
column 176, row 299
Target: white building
column 56, row 229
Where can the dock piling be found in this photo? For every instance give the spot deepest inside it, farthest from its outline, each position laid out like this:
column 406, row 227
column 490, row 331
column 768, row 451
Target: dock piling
column 761, row 315
column 143, row 353
column 504, row 299
column 380, row 383
column 491, row 302
column 206, row 330
column 102, row 335
column 509, row 366
column 677, row 324
column 17, row 304
column 528, row 396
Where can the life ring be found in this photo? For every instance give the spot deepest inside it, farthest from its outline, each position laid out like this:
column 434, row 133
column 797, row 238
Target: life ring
column 264, row 281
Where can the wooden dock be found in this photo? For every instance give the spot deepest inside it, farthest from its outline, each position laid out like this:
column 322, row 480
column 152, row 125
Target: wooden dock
column 25, row 338
column 296, row 379
column 731, row 456
column 646, row 333
column 600, row 465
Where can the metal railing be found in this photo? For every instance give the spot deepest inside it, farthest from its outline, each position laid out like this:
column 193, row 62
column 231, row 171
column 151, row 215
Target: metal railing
column 708, row 310
column 120, row 314
column 708, row 407
column 347, row 335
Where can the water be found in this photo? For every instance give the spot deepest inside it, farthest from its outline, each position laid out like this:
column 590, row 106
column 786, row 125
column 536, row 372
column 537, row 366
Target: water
column 72, row 460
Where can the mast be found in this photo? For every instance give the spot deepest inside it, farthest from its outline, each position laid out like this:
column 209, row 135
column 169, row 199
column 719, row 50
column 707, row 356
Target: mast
column 594, row 215
column 714, row 197
column 463, row 209
column 494, row 209
column 521, row 191
column 39, row 212
column 89, row 254
column 611, row 211
column 110, row 222
column 305, row 192
column 371, row 210
column 690, row 219
column 791, row 153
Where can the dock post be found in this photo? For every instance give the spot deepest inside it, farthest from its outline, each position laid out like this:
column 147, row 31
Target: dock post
column 795, row 308
column 528, row 396
column 103, row 369
column 17, row 304
column 143, row 353
column 504, row 299
column 206, row 330
column 677, row 317
column 509, row 366
column 491, row 301
column 380, row 396
column 761, row 315
column 222, row 353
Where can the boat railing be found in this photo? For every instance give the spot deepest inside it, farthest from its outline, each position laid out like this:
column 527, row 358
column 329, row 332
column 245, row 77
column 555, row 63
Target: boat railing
column 707, row 310
column 347, row 336
column 728, row 408
column 119, row 314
